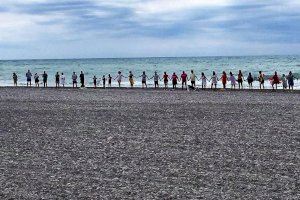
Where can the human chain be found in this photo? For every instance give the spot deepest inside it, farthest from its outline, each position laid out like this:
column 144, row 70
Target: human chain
column 235, row 81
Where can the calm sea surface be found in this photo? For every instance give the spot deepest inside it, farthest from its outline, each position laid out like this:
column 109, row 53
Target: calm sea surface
column 100, row 67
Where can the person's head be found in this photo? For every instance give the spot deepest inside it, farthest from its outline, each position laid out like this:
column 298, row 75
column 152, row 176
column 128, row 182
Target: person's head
column 73, row 72
column 259, row 72
column 108, row 75
column 290, row 73
column 119, row 72
column 183, row 72
column 214, row 73
column 28, row 71
column 103, row 76
column 224, row 73
column 165, row 73
column 144, row 72
column 230, row 73
column 155, row 72
column 192, row 71
column 56, row 72
column 240, row 72
column 202, row 74
column 174, row 73
column 35, row 73
column 62, row 73
column 249, row 73
column 81, row 72
column 275, row 73
column 44, row 72
column 94, row 76
column 130, row 72
column 283, row 75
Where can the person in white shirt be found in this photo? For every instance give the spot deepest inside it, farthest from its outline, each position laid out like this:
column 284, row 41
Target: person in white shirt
column 62, row 79
column 193, row 78
column 119, row 78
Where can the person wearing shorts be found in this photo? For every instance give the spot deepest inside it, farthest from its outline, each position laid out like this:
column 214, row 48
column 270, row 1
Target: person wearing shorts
column 193, row 78
column 174, row 80
column 261, row 80
column 28, row 77
column 144, row 79
column 36, row 80
column 130, row 78
column 183, row 79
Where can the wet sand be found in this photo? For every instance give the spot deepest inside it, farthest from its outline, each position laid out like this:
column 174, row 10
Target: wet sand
column 147, row 144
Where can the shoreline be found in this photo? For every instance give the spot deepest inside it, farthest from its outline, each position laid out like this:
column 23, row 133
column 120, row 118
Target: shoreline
column 297, row 91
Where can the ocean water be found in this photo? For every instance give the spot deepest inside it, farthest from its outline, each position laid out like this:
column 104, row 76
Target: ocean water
column 105, row 66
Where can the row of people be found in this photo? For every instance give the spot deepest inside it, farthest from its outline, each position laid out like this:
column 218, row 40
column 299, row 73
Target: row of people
column 60, row 79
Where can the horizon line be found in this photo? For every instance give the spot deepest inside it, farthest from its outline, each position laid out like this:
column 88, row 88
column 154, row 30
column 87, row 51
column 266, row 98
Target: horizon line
column 91, row 58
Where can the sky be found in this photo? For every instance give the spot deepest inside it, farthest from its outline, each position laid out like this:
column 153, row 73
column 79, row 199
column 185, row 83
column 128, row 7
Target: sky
column 36, row 29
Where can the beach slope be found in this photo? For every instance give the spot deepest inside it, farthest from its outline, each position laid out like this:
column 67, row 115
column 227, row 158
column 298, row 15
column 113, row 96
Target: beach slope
column 147, row 144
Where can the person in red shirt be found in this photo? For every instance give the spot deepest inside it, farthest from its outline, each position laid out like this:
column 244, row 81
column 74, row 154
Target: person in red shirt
column 166, row 79
column 183, row 79
column 174, row 80
column 224, row 79
column 275, row 80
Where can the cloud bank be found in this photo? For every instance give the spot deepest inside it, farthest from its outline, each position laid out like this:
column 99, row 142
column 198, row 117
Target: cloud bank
column 137, row 28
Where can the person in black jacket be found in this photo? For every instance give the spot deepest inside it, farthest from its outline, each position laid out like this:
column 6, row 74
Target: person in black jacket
column 81, row 79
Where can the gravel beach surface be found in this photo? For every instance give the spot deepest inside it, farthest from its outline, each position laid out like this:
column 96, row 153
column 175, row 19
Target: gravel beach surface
column 147, row 144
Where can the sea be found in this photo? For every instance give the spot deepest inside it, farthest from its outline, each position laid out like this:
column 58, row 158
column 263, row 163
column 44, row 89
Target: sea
column 104, row 66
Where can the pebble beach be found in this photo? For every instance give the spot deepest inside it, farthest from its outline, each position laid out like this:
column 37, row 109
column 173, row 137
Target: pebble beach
column 149, row 144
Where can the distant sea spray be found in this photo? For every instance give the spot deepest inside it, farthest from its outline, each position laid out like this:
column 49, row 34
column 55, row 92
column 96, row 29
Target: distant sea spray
column 105, row 66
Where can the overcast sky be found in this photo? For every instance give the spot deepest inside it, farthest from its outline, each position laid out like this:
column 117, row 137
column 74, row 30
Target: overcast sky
column 143, row 28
